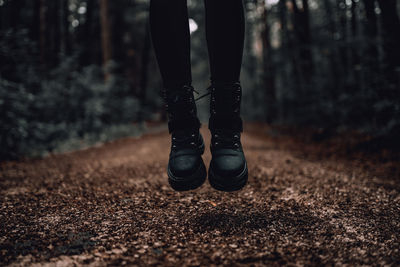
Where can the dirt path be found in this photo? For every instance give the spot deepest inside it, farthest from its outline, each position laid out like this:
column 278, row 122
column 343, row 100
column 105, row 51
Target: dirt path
column 112, row 205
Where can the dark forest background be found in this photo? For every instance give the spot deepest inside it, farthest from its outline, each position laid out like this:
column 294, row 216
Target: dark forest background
column 76, row 71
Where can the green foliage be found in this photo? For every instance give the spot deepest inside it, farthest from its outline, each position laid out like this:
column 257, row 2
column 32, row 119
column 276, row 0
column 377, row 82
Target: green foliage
column 39, row 111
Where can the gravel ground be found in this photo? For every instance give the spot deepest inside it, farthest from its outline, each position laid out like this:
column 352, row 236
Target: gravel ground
column 111, row 205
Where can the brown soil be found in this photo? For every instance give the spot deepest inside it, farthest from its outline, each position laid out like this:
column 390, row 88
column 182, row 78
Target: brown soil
column 111, row 205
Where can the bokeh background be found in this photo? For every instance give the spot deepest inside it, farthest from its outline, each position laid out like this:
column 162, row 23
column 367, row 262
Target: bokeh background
column 77, row 72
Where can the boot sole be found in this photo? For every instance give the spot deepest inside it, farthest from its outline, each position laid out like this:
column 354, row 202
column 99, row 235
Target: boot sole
column 234, row 183
column 187, row 183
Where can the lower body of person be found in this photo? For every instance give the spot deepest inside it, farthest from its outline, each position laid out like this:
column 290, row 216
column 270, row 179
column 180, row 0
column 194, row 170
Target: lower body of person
column 225, row 26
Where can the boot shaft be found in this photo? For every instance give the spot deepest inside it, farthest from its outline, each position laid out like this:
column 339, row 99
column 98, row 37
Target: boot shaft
column 181, row 108
column 225, row 107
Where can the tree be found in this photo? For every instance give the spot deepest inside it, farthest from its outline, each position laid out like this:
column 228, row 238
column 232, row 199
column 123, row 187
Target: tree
column 65, row 44
column 42, row 31
column 91, row 36
column 303, row 38
column 268, row 69
column 144, row 65
column 105, row 34
column 391, row 38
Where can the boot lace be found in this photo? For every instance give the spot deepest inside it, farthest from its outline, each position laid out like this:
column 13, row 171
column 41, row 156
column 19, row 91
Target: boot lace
column 178, row 102
column 225, row 139
column 235, row 94
column 184, row 139
column 209, row 89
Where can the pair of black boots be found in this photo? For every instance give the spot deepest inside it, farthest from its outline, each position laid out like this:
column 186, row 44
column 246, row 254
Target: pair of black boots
column 228, row 168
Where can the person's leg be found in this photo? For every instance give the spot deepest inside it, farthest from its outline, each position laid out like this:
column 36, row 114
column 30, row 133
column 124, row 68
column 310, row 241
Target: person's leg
column 169, row 26
column 225, row 26
column 225, row 32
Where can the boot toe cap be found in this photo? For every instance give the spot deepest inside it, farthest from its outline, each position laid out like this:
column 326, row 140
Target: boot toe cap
column 228, row 166
column 184, row 166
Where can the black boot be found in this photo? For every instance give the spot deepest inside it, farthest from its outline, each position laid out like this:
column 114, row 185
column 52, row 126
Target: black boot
column 228, row 168
column 186, row 169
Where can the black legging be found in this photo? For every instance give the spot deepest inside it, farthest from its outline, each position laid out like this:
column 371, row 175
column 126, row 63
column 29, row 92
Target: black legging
column 171, row 40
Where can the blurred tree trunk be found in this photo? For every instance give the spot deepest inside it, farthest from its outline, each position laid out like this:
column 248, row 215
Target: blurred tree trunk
column 284, row 51
column 144, row 72
column 307, row 36
column 54, row 32
column 354, row 18
column 343, row 44
column 355, row 54
column 303, row 39
column 105, row 35
column 89, row 53
column 391, row 38
column 292, row 78
column 371, row 29
column 12, row 15
column 65, row 46
column 35, row 24
column 371, row 69
column 42, row 32
column 117, row 25
column 49, row 32
column 354, row 32
column 268, row 70
column 283, row 21
column 332, row 52
column 293, row 47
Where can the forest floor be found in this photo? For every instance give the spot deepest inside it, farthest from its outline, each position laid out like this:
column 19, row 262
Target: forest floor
column 305, row 203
